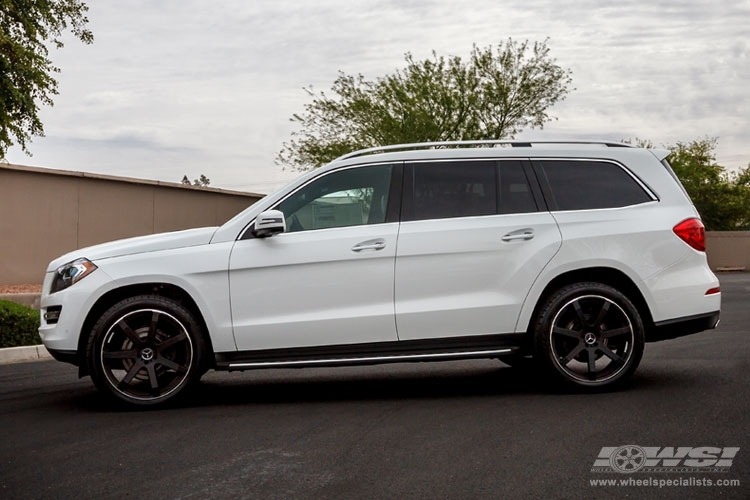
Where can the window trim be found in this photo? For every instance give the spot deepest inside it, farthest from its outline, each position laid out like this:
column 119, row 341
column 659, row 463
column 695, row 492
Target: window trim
column 531, row 181
column 550, row 197
column 536, row 186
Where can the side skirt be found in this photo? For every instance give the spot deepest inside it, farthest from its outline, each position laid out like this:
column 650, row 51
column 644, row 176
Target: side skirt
column 444, row 349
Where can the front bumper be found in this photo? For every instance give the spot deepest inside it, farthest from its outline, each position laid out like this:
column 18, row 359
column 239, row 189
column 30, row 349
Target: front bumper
column 74, row 303
column 66, row 356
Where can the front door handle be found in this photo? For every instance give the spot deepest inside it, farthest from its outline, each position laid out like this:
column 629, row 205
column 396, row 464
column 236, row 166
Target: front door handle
column 521, row 234
column 377, row 244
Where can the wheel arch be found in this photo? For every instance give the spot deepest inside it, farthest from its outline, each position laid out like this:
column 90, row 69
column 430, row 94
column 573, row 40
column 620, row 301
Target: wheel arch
column 114, row 296
column 605, row 275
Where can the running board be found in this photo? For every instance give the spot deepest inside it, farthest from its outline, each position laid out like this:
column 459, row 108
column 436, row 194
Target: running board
column 374, row 360
column 485, row 346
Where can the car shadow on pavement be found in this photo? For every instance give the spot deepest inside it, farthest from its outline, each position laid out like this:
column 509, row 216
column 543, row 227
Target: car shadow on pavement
column 384, row 383
column 362, row 384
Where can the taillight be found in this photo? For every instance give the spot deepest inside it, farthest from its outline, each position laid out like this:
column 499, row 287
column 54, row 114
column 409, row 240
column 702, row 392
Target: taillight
column 692, row 232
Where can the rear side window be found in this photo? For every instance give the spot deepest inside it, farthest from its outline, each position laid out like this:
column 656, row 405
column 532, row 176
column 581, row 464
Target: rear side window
column 586, row 185
column 466, row 188
column 442, row 190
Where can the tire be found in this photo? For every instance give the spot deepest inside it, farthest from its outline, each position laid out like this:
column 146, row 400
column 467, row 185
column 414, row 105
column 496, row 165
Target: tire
column 146, row 350
column 589, row 335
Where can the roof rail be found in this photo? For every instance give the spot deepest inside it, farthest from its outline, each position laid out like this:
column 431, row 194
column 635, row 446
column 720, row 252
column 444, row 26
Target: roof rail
column 491, row 142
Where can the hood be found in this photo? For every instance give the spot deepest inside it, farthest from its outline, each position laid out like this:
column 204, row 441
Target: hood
column 140, row 244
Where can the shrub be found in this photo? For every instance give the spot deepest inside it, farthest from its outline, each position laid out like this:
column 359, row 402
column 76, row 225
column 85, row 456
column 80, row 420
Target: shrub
column 18, row 325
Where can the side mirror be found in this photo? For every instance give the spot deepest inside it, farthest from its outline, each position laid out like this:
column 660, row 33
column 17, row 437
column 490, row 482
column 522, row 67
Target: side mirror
column 269, row 223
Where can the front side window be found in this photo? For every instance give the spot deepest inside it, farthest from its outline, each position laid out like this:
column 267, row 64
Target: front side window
column 586, row 185
column 350, row 197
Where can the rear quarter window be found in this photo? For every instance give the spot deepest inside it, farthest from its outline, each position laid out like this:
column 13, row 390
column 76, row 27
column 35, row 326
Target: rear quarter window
column 590, row 184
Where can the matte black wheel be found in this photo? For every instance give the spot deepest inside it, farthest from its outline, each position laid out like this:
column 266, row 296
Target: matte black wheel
column 145, row 350
column 589, row 334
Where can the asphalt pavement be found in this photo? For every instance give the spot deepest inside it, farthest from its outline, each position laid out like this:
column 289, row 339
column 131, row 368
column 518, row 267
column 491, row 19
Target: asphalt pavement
column 463, row 430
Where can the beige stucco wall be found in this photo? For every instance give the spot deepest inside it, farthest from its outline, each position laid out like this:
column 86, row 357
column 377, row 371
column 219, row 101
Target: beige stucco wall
column 45, row 213
column 728, row 250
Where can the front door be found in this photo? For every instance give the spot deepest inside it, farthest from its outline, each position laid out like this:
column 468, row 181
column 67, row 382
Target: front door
column 328, row 280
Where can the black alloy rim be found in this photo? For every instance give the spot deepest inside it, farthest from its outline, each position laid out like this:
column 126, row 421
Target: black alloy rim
column 146, row 354
column 591, row 339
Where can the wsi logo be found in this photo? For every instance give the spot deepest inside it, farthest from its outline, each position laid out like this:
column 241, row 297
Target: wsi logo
column 632, row 458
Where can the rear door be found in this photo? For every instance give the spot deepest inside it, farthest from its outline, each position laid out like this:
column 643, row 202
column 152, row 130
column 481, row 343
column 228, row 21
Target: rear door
column 474, row 236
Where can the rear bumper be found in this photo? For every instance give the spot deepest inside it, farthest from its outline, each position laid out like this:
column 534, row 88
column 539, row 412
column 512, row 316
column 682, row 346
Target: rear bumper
column 680, row 327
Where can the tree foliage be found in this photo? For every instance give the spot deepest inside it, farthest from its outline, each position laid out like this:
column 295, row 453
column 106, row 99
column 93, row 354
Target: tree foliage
column 721, row 197
column 26, row 71
column 202, row 181
column 494, row 94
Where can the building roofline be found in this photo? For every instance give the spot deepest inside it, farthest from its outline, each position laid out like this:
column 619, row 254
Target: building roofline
column 129, row 180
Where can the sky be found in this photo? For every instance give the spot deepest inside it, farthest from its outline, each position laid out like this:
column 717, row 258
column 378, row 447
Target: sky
column 191, row 87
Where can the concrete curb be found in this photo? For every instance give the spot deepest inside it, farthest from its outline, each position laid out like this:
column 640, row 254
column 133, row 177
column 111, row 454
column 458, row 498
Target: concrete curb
column 24, row 353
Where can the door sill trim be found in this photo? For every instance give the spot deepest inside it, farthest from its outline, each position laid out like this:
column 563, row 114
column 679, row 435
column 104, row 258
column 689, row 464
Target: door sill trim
column 368, row 360
column 371, row 353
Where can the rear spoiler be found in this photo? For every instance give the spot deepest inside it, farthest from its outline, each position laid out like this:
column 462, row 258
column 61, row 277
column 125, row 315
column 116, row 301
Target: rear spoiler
column 660, row 154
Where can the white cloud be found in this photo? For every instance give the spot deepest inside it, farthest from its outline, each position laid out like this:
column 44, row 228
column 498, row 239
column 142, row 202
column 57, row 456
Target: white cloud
column 195, row 87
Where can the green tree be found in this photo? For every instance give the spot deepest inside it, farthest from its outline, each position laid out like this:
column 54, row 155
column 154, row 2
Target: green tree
column 494, row 94
column 202, row 181
column 721, row 197
column 26, row 72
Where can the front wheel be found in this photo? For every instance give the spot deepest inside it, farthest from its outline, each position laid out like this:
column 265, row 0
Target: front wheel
column 589, row 334
column 145, row 350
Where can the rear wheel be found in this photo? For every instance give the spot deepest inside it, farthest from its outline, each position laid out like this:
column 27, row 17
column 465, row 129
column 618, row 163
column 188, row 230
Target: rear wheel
column 145, row 350
column 589, row 335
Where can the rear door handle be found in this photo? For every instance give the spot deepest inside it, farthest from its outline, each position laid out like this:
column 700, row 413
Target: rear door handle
column 377, row 244
column 521, row 234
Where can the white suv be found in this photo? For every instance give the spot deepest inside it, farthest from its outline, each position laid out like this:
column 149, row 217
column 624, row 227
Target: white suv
column 567, row 255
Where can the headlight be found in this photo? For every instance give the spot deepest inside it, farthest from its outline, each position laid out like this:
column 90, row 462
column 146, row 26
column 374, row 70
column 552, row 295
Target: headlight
column 71, row 273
